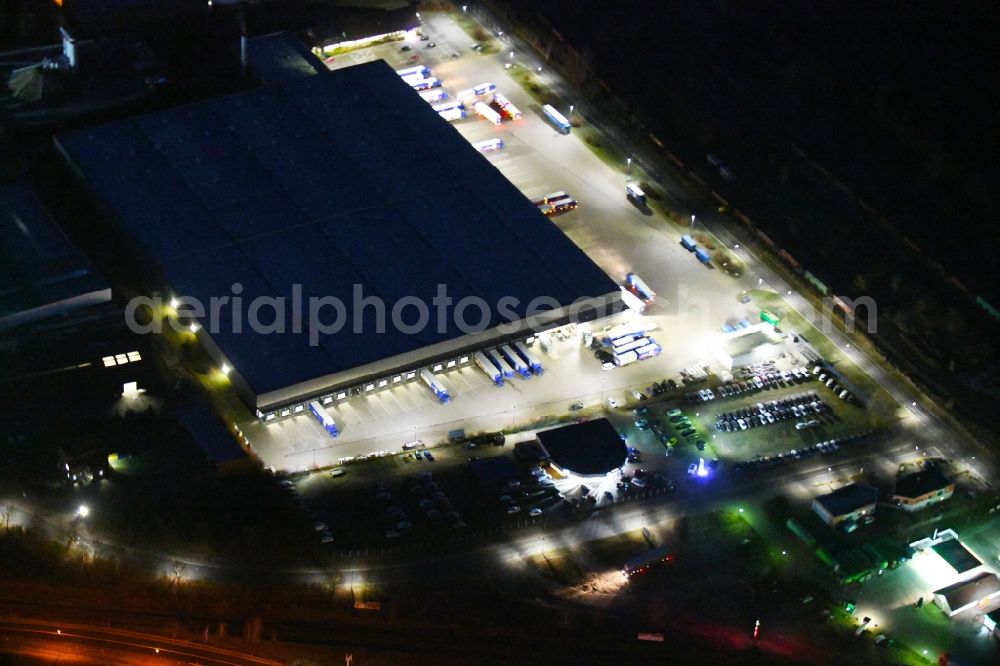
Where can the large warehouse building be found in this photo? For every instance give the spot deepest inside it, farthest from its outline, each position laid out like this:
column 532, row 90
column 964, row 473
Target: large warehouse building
column 42, row 274
column 315, row 187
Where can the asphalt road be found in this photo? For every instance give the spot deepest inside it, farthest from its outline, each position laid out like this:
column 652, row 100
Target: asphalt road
column 77, row 643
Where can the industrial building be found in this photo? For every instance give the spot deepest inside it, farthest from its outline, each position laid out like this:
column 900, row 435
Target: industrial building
column 962, row 560
column 588, row 449
column 848, row 503
column 753, row 345
column 316, row 187
column 975, row 592
column 920, row 489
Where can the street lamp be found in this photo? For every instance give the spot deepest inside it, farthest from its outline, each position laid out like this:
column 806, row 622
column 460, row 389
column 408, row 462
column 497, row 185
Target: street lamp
column 511, row 55
column 692, row 220
column 571, row 107
column 628, row 164
column 465, row 8
column 83, row 511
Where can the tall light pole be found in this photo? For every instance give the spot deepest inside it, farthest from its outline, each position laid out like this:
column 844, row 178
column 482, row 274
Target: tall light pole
column 571, row 108
column 628, row 165
column 692, row 220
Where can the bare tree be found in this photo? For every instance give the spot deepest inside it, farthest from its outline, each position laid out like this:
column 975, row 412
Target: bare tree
column 8, row 514
column 176, row 573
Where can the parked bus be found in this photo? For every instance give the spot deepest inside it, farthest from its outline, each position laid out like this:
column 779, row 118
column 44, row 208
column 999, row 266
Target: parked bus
column 623, row 340
column 506, row 107
column 560, row 205
column 448, row 106
column 558, row 119
column 639, row 288
column 631, row 346
column 434, row 95
column 324, row 419
column 489, row 145
column 489, row 114
column 648, row 351
column 625, row 358
column 424, row 84
column 452, row 114
column 483, row 88
column 410, row 79
column 422, row 70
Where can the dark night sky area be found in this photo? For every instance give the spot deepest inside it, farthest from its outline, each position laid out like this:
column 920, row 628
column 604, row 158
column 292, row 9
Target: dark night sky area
column 897, row 99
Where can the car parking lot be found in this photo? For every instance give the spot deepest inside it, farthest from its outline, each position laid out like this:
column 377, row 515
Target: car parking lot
column 779, row 419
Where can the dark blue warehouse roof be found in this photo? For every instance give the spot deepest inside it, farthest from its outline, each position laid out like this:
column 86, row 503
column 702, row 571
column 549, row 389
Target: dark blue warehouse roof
column 342, row 178
column 280, row 56
column 211, row 434
column 39, row 266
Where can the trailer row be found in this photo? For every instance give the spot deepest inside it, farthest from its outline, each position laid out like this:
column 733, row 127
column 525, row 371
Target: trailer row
column 700, row 253
column 499, row 364
column 504, row 362
column 631, row 347
column 555, row 202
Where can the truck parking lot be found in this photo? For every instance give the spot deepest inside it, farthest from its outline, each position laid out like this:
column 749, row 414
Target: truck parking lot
column 617, row 235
